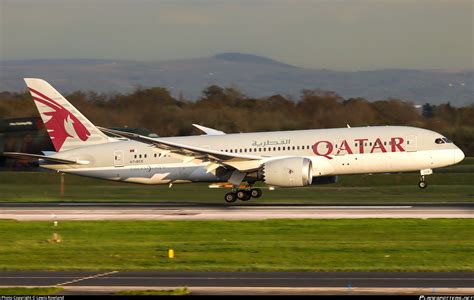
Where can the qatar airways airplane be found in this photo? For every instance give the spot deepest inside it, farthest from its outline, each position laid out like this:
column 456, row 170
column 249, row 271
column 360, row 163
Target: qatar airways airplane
column 280, row 159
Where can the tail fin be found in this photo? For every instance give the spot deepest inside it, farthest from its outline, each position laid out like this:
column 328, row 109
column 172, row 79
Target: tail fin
column 66, row 126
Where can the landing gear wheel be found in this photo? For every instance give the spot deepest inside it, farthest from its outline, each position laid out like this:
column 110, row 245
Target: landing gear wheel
column 243, row 195
column 422, row 184
column 256, row 193
column 230, row 197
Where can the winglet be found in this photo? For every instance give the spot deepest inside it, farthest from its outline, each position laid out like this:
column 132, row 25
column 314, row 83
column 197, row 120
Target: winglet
column 208, row 131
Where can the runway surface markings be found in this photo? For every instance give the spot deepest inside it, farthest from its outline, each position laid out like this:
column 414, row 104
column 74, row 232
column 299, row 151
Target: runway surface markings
column 86, row 278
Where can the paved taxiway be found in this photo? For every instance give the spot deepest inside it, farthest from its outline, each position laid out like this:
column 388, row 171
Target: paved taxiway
column 147, row 211
column 247, row 282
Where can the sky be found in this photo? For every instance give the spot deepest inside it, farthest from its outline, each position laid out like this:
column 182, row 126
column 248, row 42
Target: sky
column 330, row 34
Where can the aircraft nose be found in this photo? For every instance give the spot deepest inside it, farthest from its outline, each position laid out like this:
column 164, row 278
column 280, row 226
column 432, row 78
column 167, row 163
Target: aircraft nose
column 458, row 155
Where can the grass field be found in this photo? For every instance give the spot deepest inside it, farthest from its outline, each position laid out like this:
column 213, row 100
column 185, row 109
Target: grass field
column 286, row 245
column 452, row 184
column 175, row 292
column 19, row 291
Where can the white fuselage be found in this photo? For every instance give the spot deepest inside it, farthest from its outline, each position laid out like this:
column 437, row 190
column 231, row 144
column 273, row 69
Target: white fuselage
column 332, row 152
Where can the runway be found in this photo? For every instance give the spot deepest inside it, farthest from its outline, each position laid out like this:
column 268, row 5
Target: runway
column 246, row 282
column 147, row 211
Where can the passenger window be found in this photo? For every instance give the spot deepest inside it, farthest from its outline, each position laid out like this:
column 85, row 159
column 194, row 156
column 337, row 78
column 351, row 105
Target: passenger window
column 140, row 156
column 135, row 156
column 145, row 155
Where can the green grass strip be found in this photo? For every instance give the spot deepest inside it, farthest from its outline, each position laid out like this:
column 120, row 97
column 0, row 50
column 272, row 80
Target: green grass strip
column 15, row 291
column 175, row 292
column 270, row 245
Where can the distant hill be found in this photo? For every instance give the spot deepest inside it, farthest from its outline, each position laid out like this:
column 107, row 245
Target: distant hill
column 255, row 76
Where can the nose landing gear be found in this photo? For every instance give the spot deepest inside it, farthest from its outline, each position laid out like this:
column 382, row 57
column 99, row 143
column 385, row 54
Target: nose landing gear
column 423, row 184
column 242, row 194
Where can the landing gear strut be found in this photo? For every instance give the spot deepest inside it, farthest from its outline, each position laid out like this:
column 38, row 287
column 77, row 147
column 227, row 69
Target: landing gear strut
column 242, row 194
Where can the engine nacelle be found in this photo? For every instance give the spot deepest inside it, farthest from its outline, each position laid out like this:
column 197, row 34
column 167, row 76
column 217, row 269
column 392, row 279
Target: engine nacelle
column 288, row 172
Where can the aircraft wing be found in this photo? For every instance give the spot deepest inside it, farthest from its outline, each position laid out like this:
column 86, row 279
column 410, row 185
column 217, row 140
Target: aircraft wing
column 208, row 131
column 241, row 162
column 38, row 156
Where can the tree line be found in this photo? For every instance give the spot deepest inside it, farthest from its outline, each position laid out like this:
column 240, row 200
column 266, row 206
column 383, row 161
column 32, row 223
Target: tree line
column 231, row 111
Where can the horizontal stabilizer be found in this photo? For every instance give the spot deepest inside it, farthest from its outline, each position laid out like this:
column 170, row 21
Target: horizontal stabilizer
column 38, row 156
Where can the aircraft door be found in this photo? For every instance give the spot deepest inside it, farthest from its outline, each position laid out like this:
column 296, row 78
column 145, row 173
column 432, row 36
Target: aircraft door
column 118, row 158
column 411, row 143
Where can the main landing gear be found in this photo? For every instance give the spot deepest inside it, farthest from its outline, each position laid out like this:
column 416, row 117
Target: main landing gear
column 423, row 184
column 242, row 194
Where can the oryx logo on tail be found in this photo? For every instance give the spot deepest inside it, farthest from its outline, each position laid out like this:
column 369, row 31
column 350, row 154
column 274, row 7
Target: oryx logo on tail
column 60, row 123
column 66, row 126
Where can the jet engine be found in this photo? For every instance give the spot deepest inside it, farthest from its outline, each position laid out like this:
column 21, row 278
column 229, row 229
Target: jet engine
column 288, row 172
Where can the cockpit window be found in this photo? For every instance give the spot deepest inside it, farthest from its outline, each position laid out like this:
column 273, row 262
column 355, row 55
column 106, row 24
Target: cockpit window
column 447, row 140
column 439, row 141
